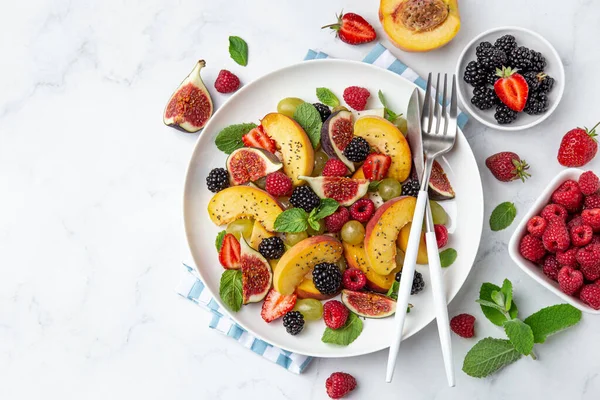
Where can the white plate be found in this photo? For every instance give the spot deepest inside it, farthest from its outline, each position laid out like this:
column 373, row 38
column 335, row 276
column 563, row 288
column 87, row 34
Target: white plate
column 260, row 97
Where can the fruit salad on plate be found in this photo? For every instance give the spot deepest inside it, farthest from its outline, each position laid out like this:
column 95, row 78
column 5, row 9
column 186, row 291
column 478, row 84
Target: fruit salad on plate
column 316, row 202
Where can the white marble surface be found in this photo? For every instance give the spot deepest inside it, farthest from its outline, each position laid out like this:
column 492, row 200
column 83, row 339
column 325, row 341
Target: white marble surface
column 90, row 202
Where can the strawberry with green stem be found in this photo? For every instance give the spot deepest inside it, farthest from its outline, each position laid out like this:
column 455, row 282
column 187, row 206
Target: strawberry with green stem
column 353, row 29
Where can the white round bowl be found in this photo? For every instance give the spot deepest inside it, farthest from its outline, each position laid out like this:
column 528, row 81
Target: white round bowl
column 527, row 38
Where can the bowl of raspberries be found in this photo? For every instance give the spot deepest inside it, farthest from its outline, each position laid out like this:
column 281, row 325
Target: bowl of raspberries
column 510, row 78
column 558, row 242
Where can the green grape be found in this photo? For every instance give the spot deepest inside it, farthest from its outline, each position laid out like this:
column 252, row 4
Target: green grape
column 339, row 108
column 285, row 203
column 288, row 106
column 241, row 227
column 438, row 213
column 401, row 124
column 313, row 232
column 311, row 309
column 342, row 264
column 389, row 188
column 353, row 232
column 261, row 183
column 399, row 257
column 320, row 160
column 293, row 238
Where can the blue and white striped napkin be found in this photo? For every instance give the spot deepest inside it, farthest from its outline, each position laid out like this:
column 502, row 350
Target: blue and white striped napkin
column 192, row 288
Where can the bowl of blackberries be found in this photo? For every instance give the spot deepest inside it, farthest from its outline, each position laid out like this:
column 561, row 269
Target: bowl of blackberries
column 510, row 78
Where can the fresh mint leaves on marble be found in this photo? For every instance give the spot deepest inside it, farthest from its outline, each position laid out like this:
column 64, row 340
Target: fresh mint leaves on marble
column 238, row 50
column 502, row 216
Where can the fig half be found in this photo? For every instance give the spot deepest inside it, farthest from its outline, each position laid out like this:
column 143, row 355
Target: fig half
column 439, row 185
column 345, row 191
column 190, row 106
column 249, row 164
column 256, row 274
column 368, row 305
column 336, row 133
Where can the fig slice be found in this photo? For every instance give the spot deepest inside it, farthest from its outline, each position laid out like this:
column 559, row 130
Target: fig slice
column 439, row 185
column 190, row 106
column 250, row 164
column 368, row 305
column 345, row 191
column 336, row 133
column 256, row 274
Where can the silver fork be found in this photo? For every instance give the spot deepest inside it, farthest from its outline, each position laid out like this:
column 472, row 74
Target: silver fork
column 438, row 129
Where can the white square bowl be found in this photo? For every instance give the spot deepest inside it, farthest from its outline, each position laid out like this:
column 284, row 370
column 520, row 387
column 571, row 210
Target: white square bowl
column 532, row 269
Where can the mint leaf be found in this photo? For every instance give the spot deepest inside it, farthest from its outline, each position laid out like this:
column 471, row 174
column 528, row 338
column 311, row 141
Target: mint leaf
column 230, row 138
column 552, row 319
column 310, row 120
column 520, row 335
column 314, row 224
column 498, row 298
column 488, row 356
column 507, row 290
column 393, row 291
column 389, row 114
column 373, row 186
column 325, row 209
column 502, row 216
column 219, row 240
column 292, row 221
column 230, row 289
column 327, row 97
column 490, row 304
column 496, row 316
column 238, row 50
column 346, row 334
column 447, row 257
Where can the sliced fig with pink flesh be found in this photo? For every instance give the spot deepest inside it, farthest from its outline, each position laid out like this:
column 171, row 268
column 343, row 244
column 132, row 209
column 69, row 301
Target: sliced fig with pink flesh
column 439, row 185
column 336, row 133
column 345, row 191
column 249, row 164
column 257, row 275
column 190, row 106
column 368, row 305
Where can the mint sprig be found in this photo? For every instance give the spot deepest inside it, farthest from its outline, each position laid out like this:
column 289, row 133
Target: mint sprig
column 495, row 313
column 520, row 335
column 297, row 220
column 327, row 97
column 393, row 290
column 346, row 334
column 230, row 289
column 502, row 216
column 310, row 120
column 230, row 138
column 551, row 320
column 238, row 50
column 387, row 112
column 447, row 257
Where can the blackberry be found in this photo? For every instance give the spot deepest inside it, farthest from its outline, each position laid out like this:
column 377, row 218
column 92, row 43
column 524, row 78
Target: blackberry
column 474, row 75
column 327, row 278
column 491, row 58
column 506, row 43
column 482, row 47
column 537, row 103
column 323, row 110
column 418, row 282
column 271, row 248
column 357, row 150
column 520, row 58
column 305, row 198
column 484, row 98
column 505, row 115
column 293, row 321
column 491, row 77
column 411, row 187
column 546, row 83
column 532, row 80
column 538, row 61
column 217, row 180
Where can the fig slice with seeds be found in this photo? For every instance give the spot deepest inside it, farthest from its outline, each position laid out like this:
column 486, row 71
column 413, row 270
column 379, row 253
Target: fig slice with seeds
column 249, row 164
column 256, row 274
column 345, row 191
column 368, row 305
column 336, row 133
column 439, row 185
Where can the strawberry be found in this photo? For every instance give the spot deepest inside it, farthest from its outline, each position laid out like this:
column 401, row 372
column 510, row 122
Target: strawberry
column 507, row 166
column 578, row 147
column 229, row 256
column 570, row 280
column 276, row 305
column 353, row 29
column 257, row 137
column 511, row 88
column 376, row 166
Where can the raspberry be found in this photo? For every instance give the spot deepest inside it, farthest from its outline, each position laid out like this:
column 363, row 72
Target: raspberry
column 335, row 221
column 335, row 314
column 463, row 325
column 552, row 211
column 591, row 217
column 575, row 221
column 339, row 384
column 590, row 295
column 536, row 226
column 589, row 256
column 362, row 210
column 356, row 97
column 556, row 237
column 592, row 201
column 568, row 195
column 551, row 267
column 334, row 167
column 278, row 184
column 441, row 235
column 581, row 235
column 596, row 239
column 567, row 258
column 354, row 279
column 590, row 273
column 570, row 280
column 589, row 183
column 532, row 248
column 227, row 82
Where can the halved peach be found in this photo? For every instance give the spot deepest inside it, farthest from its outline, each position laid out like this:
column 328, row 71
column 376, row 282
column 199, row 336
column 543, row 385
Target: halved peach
column 307, row 290
column 402, row 243
column 357, row 258
column 258, row 234
column 387, row 139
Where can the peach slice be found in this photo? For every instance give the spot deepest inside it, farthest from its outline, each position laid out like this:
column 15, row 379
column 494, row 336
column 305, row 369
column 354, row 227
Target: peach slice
column 402, row 243
column 258, row 234
column 382, row 231
column 244, row 202
column 359, row 174
column 299, row 261
column 357, row 258
column 387, row 139
column 307, row 290
column 293, row 143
